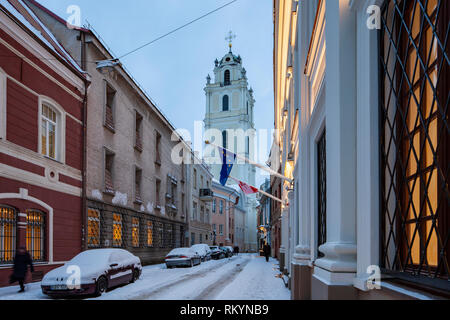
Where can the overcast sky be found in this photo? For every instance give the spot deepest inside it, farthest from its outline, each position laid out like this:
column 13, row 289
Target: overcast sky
column 173, row 70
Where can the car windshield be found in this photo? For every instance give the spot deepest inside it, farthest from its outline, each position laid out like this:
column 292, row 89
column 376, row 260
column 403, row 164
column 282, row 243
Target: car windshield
column 91, row 257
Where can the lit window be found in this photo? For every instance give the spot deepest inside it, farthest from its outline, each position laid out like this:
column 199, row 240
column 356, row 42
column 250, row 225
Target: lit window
column 117, row 230
column 135, row 232
column 149, row 234
column 35, row 235
column 49, row 127
column 93, row 228
column 7, row 234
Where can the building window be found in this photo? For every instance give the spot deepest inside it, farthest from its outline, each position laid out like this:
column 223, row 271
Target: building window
column 8, row 221
column 35, row 234
column 322, row 192
column 221, row 230
column 137, row 185
column 135, row 232
column 225, row 103
column 195, row 179
column 415, row 140
column 214, row 206
column 158, row 193
column 158, row 148
column 109, row 174
column 49, row 132
column 202, row 214
column 93, row 228
column 192, row 239
column 149, row 234
column 207, row 216
column 200, row 240
column 194, row 212
column 227, row 78
column 117, row 230
column 110, row 96
column 138, row 131
column 225, row 139
column 160, row 231
column 221, row 206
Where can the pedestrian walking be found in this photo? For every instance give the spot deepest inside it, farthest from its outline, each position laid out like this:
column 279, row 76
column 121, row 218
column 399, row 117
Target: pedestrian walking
column 236, row 250
column 21, row 262
column 267, row 249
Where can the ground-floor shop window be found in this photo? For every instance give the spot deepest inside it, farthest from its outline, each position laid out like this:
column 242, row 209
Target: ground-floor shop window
column 93, row 228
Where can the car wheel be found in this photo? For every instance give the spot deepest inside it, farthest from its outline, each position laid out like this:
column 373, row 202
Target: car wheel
column 102, row 286
column 135, row 276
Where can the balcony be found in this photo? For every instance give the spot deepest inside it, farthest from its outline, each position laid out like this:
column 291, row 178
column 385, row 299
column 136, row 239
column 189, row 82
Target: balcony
column 206, row 195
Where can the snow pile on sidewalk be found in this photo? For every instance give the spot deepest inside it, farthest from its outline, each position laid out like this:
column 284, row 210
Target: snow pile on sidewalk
column 257, row 281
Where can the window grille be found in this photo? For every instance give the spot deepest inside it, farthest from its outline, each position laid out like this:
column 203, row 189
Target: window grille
column 414, row 139
column 35, row 235
column 322, row 192
column 117, row 230
column 8, row 221
column 93, row 228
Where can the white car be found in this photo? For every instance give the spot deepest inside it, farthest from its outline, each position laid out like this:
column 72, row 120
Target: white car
column 203, row 250
column 92, row 272
column 182, row 257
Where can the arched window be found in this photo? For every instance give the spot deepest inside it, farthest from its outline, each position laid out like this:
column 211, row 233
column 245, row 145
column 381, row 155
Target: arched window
column 227, row 78
column 225, row 103
column 8, row 220
column 35, row 235
column 224, row 139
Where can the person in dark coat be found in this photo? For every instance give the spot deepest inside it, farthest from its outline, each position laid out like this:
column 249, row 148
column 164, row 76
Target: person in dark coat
column 267, row 249
column 21, row 262
column 236, row 250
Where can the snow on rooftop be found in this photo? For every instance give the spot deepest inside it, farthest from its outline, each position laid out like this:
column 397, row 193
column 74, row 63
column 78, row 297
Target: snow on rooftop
column 53, row 45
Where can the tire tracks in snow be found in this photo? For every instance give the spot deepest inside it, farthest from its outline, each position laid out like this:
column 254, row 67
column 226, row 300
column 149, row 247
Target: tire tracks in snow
column 177, row 281
column 215, row 288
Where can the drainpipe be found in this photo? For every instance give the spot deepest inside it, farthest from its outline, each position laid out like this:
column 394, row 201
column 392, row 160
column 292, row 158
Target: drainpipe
column 84, row 167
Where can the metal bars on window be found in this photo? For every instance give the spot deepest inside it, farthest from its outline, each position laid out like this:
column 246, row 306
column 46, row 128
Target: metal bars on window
column 8, row 221
column 322, row 193
column 35, row 234
column 414, row 140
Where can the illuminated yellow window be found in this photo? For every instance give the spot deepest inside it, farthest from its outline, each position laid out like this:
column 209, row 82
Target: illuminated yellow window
column 117, row 230
column 93, row 228
column 7, row 234
column 149, row 234
column 35, row 234
column 135, row 232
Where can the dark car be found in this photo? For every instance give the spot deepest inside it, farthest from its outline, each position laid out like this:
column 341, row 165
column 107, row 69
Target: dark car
column 227, row 251
column 92, row 272
column 217, row 253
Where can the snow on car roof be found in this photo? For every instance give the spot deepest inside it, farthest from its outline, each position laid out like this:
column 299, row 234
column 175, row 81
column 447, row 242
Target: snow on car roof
column 180, row 250
column 94, row 255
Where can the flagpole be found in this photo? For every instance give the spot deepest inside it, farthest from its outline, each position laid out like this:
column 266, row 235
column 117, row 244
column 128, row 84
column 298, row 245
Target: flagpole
column 260, row 191
column 272, row 172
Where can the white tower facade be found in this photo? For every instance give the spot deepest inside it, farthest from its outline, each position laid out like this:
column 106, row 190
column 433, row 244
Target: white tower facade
column 230, row 113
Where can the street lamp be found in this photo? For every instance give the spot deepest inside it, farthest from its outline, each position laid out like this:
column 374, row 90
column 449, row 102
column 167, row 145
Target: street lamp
column 107, row 66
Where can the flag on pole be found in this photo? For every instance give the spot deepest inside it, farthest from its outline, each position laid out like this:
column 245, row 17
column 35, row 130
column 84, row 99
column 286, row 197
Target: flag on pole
column 228, row 160
column 247, row 189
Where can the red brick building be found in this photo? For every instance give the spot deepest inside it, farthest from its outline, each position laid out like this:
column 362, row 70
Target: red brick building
column 42, row 109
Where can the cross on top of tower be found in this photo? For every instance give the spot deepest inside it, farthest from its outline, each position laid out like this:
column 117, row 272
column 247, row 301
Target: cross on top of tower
column 230, row 37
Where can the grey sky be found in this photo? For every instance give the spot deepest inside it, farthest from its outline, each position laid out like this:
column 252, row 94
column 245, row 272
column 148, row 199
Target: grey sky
column 174, row 69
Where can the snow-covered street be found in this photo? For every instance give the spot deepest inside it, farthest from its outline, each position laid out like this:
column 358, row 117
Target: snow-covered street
column 243, row 277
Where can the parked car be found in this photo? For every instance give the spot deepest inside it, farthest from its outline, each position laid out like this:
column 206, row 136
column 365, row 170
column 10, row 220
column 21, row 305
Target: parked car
column 227, row 251
column 203, row 250
column 231, row 250
column 182, row 257
column 98, row 270
column 217, row 253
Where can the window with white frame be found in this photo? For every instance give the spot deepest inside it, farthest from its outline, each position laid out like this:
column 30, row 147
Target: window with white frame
column 50, row 132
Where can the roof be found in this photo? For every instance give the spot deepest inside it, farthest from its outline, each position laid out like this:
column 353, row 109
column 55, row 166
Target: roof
column 229, row 59
column 18, row 10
